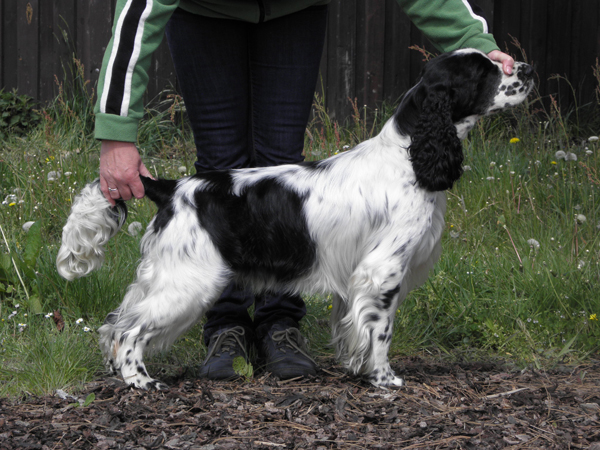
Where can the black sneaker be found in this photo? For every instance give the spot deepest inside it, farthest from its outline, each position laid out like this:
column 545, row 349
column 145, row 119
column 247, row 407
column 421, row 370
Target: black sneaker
column 223, row 348
column 285, row 353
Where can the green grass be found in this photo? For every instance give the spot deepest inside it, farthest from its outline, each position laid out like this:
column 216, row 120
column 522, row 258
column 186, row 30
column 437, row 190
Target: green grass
column 494, row 294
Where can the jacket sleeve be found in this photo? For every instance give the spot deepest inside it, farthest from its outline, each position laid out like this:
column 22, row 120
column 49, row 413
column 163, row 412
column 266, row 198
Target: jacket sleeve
column 138, row 30
column 450, row 24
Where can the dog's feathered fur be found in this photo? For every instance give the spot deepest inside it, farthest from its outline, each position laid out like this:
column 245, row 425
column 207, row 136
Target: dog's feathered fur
column 364, row 225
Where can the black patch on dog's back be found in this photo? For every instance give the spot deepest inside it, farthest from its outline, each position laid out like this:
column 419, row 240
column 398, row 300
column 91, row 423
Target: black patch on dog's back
column 261, row 232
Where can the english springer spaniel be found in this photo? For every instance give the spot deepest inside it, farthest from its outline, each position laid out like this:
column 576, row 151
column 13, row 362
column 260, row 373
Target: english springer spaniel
column 364, row 225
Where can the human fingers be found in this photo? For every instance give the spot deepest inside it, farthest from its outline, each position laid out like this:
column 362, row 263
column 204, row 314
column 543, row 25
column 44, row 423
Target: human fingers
column 506, row 60
column 120, row 164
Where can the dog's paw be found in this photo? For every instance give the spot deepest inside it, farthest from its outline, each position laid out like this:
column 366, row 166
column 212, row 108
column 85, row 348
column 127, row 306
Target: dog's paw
column 147, row 383
column 386, row 379
column 110, row 367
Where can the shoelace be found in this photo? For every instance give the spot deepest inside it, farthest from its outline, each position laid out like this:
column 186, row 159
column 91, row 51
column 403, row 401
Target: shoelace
column 290, row 337
column 226, row 341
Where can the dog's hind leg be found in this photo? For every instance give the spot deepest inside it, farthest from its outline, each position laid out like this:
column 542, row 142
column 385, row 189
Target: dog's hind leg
column 363, row 334
column 166, row 299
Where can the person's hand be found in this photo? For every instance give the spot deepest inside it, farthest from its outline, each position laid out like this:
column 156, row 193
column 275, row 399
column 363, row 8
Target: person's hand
column 120, row 170
column 507, row 61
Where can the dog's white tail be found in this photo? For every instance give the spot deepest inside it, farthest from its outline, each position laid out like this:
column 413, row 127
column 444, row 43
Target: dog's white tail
column 92, row 222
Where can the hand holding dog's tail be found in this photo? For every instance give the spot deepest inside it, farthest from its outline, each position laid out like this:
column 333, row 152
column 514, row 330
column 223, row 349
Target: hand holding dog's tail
column 92, row 222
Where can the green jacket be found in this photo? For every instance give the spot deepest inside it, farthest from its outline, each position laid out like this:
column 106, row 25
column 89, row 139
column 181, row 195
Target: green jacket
column 448, row 24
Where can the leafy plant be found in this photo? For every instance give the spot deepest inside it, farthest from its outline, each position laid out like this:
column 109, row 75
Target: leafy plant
column 243, row 368
column 17, row 114
column 18, row 269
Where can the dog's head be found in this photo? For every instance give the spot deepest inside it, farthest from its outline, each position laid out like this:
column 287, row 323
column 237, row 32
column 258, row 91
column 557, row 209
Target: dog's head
column 454, row 91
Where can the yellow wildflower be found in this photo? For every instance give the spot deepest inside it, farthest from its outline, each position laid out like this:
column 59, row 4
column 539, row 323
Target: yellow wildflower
column 12, row 204
column 553, row 162
column 515, row 140
column 593, row 317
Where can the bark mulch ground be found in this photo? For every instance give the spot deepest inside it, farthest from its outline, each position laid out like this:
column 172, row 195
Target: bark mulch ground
column 462, row 406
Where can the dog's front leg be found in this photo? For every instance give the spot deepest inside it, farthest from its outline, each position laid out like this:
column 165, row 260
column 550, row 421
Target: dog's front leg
column 363, row 329
column 129, row 359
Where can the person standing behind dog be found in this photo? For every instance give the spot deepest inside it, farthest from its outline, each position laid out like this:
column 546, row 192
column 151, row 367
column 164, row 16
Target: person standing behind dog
column 247, row 73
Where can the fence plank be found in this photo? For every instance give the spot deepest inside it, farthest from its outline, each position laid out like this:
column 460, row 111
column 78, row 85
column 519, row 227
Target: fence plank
column 94, row 26
column 397, row 55
column 341, row 50
column 370, row 52
column 27, row 47
column 583, row 49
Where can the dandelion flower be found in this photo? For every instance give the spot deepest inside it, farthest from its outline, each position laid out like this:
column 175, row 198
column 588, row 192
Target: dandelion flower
column 515, row 140
column 330, row 307
column 11, row 198
column 553, row 162
column 12, row 204
column 560, row 155
column 593, row 317
column 134, row 228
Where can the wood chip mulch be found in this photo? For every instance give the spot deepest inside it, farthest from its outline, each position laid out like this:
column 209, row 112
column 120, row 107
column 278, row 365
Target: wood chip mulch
column 459, row 406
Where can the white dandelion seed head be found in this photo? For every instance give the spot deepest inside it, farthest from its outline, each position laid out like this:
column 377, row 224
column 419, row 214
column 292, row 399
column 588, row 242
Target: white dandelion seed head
column 182, row 169
column 53, row 175
column 580, row 218
column 467, row 168
column 134, row 228
column 560, row 155
column 570, row 157
column 533, row 244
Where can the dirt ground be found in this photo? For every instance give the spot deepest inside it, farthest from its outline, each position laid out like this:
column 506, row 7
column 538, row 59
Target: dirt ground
column 461, row 406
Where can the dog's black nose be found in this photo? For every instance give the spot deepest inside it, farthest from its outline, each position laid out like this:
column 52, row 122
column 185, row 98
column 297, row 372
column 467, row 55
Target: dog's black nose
column 526, row 70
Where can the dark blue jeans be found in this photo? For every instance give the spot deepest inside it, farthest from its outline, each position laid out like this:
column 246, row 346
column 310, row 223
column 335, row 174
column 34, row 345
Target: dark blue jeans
column 248, row 90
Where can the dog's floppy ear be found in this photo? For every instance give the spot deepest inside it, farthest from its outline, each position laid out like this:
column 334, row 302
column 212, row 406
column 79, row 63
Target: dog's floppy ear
column 435, row 151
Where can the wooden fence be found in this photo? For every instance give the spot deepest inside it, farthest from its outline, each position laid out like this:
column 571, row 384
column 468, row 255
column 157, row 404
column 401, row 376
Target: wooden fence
column 366, row 56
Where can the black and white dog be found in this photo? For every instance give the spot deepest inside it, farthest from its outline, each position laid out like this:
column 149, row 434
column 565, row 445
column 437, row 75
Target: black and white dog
column 364, row 225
